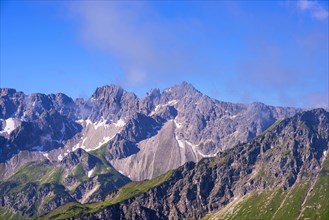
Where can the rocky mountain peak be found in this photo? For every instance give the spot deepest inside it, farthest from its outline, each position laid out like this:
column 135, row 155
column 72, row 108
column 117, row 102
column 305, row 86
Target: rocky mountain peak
column 153, row 94
column 108, row 93
column 61, row 99
column 144, row 138
column 317, row 114
column 178, row 91
column 7, row 91
column 79, row 156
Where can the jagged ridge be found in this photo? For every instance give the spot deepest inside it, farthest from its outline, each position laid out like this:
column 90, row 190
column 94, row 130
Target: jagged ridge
column 284, row 163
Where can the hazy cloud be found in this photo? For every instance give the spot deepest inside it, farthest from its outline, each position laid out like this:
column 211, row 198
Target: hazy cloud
column 270, row 72
column 316, row 10
column 146, row 46
column 267, row 68
column 317, row 99
column 136, row 76
column 151, row 48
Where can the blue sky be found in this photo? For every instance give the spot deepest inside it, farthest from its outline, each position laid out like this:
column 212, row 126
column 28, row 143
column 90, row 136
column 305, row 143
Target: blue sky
column 274, row 52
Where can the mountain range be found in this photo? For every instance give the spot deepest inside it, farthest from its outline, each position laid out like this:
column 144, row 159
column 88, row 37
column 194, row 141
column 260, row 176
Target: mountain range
column 173, row 154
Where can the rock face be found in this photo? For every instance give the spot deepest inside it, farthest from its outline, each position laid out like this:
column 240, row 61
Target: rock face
column 193, row 126
column 287, row 165
column 54, row 150
column 180, row 121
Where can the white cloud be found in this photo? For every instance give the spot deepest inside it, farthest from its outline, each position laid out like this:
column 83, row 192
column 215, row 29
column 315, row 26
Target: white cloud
column 305, row 4
column 317, row 99
column 316, row 10
column 136, row 76
column 146, row 46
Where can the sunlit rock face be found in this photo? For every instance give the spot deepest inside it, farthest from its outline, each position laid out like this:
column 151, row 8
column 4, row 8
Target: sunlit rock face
column 141, row 137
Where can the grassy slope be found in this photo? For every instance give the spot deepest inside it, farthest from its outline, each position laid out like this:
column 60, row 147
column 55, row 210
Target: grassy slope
column 265, row 204
column 126, row 192
column 40, row 173
column 34, row 172
column 6, row 214
column 37, row 173
column 317, row 204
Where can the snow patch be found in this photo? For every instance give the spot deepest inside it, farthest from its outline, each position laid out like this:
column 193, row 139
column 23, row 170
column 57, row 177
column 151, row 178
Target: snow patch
column 172, row 102
column 23, row 118
column 46, row 155
column 168, row 90
column 83, row 141
column 206, row 155
column 60, row 157
column 104, row 141
column 77, row 146
column 10, row 126
column 189, row 143
column 88, row 121
column 232, row 116
column 324, row 153
column 120, row 123
column 81, row 121
column 181, row 143
column 120, row 171
column 194, row 148
column 157, row 108
column 90, row 172
column 100, row 124
column 178, row 125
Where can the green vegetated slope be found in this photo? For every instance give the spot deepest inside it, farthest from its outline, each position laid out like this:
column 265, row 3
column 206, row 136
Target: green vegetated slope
column 124, row 193
column 27, row 183
column 41, row 186
column 317, row 203
column 278, row 204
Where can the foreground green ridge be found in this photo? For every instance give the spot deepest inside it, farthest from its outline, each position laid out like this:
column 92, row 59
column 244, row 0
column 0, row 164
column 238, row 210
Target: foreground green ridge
column 273, row 204
column 124, row 193
column 277, row 204
column 40, row 186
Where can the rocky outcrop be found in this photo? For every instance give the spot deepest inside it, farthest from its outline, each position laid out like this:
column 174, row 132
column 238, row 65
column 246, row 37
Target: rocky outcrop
column 289, row 153
column 93, row 146
column 196, row 126
column 34, row 123
column 51, row 126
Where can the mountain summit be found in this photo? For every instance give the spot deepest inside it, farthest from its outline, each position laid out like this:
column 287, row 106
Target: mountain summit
column 95, row 146
column 179, row 120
